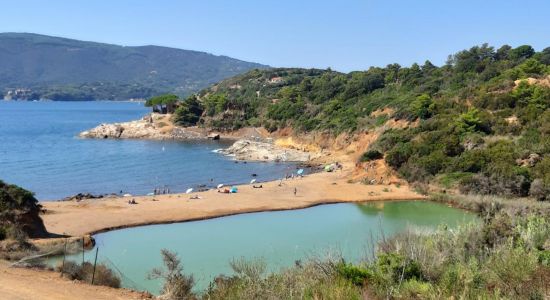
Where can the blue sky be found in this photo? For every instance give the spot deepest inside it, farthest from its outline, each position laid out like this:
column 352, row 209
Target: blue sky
column 344, row 35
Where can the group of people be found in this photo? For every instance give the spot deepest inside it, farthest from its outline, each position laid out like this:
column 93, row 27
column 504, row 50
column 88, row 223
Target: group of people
column 161, row 191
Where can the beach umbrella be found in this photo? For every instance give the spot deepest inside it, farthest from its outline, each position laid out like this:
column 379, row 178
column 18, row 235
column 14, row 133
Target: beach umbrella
column 189, row 190
column 300, row 172
column 233, row 189
column 150, row 194
column 252, row 181
column 220, row 185
column 127, row 195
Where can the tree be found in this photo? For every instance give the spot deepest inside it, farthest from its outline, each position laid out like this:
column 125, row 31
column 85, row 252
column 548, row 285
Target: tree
column 545, row 56
column 163, row 103
column 522, row 52
column 189, row 112
column 422, row 106
column 503, row 52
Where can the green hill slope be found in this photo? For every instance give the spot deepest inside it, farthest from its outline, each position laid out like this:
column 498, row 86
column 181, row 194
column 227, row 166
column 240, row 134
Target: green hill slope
column 483, row 118
column 65, row 69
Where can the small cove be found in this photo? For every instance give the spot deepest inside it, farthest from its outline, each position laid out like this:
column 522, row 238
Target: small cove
column 40, row 151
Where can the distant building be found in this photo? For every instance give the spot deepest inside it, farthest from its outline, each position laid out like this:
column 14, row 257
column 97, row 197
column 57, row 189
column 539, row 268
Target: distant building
column 277, row 79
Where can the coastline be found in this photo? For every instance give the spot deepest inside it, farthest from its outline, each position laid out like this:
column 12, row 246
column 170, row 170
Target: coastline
column 92, row 216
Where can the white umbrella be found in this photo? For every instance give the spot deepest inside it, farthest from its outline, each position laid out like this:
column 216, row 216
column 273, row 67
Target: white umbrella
column 220, row 185
column 127, row 195
column 189, row 190
column 252, row 181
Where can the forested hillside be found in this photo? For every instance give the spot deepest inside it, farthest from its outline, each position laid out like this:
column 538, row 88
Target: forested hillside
column 36, row 66
column 483, row 118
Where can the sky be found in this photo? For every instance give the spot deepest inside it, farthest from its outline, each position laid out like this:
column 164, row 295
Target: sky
column 344, row 35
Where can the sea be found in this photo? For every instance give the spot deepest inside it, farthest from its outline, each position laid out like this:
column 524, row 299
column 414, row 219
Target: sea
column 40, row 151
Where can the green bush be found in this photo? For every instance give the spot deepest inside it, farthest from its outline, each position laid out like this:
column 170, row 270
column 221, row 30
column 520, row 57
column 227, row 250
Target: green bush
column 371, row 155
column 544, row 257
column 399, row 267
column 355, row 274
column 398, row 155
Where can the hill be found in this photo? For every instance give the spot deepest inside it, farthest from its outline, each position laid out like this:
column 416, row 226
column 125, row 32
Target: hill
column 480, row 123
column 36, row 66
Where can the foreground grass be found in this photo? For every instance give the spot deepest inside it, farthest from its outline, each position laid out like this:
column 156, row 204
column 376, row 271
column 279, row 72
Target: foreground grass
column 506, row 256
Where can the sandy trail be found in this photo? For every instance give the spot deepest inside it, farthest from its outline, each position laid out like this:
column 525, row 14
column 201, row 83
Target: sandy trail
column 23, row 284
column 92, row 216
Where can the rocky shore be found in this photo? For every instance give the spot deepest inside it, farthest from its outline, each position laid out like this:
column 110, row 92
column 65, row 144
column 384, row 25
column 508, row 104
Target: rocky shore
column 152, row 126
column 265, row 151
column 159, row 127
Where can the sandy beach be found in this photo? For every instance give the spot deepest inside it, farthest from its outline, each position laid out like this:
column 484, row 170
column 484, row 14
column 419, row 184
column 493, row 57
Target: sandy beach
column 98, row 215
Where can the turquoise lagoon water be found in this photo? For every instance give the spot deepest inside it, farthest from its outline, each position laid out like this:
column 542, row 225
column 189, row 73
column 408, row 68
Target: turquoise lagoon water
column 39, row 151
column 279, row 238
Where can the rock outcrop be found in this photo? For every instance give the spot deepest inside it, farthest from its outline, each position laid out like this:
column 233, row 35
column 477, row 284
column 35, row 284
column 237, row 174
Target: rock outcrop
column 263, row 151
column 153, row 126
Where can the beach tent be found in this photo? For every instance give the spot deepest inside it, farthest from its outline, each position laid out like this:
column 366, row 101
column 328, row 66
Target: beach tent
column 300, row 172
column 252, row 181
column 233, row 189
column 189, row 190
column 220, row 186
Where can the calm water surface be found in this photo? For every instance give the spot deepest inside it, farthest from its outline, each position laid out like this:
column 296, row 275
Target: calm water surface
column 280, row 238
column 39, row 150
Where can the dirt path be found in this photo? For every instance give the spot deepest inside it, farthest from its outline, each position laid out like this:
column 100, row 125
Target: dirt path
column 25, row 284
column 92, row 216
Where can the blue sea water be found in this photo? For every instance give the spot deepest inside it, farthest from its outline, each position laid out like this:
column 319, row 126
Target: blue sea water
column 40, row 151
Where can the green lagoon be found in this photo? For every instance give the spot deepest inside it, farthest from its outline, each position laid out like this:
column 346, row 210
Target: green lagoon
column 280, row 238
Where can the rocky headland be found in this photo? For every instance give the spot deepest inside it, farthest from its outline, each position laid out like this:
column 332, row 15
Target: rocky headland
column 251, row 144
column 153, row 126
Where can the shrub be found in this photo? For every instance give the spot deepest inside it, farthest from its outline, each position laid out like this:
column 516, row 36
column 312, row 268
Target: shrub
column 422, row 107
column 176, row 284
column 399, row 267
column 398, row 155
column 544, row 257
column 371, row 155
column 539, row 190
column 85, row 272
column 414, row 289
column 355, row 274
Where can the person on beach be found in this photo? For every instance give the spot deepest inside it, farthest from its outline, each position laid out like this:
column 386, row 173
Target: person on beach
column 295, row 191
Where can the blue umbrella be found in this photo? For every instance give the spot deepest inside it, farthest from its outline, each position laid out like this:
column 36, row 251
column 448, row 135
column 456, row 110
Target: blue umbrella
column 300, row 172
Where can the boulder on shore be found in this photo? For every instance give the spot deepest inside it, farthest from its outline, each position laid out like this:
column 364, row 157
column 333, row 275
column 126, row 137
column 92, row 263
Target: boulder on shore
column 262, row 151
